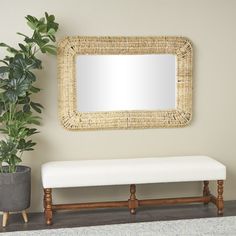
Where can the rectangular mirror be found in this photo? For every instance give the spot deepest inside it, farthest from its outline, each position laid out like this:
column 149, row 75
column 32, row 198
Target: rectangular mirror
column 125, row 82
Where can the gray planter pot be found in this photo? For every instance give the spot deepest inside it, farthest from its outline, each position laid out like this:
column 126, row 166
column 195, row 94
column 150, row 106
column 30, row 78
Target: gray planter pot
column 15, row 190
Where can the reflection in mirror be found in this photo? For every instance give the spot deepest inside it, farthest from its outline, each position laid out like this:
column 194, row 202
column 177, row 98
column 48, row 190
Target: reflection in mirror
column 125, row 82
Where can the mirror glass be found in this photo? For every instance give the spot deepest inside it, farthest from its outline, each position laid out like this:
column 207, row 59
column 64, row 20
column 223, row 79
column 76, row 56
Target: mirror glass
column 125, row 82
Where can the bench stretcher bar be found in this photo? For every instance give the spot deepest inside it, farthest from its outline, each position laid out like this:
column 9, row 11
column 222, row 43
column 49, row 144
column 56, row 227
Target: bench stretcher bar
column 132, row 203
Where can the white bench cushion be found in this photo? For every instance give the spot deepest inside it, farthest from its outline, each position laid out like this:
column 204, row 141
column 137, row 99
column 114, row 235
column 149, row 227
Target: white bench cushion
column 61, row 174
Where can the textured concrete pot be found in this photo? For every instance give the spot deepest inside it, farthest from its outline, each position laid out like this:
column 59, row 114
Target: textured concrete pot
column 15, row 190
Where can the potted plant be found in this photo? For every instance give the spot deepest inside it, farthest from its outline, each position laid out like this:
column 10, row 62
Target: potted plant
column 17, row 111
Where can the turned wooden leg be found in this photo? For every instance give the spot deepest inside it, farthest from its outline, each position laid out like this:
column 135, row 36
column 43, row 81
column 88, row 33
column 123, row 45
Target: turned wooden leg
column 132, row 202
column 220, row 200
column 206, row 190
column 24, row 215
column 48, row 205
column 5, row 218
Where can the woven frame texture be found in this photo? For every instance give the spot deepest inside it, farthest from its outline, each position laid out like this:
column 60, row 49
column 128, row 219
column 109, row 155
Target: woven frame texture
column 70, row 47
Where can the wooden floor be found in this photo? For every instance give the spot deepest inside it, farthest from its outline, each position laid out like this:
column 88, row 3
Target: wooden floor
column 116, row 216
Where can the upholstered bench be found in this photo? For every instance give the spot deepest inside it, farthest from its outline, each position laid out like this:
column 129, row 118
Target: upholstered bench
column 65, row 174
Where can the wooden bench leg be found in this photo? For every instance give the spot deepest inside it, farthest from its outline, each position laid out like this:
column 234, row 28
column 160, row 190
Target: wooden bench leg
column 48, row 205
column 132, row 202
column 24, row 215
column 220, row 200
column 206, row 190
column 5, row 219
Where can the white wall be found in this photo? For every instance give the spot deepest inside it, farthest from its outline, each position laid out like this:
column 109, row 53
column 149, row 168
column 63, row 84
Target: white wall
column 211, row 27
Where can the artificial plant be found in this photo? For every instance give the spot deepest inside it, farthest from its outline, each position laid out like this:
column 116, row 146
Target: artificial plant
column 17, row 78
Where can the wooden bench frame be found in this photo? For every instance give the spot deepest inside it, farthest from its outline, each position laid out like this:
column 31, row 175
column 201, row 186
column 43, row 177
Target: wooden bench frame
column 132, row 203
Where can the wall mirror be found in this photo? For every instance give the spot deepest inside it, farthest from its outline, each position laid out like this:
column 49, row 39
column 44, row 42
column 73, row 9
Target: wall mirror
column 124, row 82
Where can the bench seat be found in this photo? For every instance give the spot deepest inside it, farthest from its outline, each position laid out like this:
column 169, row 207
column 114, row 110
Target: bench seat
column 62, row 174
column 86, row 173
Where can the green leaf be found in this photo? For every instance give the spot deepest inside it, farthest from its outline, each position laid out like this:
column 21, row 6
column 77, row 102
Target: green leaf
column 51, row 22
column 42, row 20
column 34, row 89
column 4, row 117
column 16, row 159
column 2, row 45
column 49, row 17
column 31, row 18
column 25, row 146
column 51, row 31
column 21, row 144
column 52, row 37
column 24, row 100
column 37, row 64
column 32, row 21
column 22, row 35
column 12, row 50
column 7, row 149
column 43, row 50
column 5, row 131
column 31, row 76
column 26, row 108
column 32, row 131
column 32, row 119
column 22, row 132
column 4, row 62
column 29, row 40
column 42, row 28
column 36, row 106
column 20, row 86
column 11, row 95
column 4, row 69
column 24, row 49
column 3, row 83
column 31, row 25
column 50, row 49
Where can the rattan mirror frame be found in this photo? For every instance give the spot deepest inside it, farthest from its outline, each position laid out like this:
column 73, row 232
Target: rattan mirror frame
column 70, row 47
